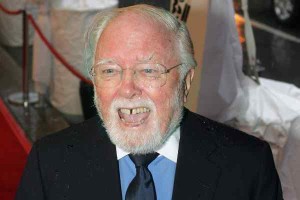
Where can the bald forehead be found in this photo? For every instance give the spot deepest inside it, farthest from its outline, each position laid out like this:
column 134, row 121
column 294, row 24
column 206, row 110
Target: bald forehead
column 137, row 31
column 140, row 20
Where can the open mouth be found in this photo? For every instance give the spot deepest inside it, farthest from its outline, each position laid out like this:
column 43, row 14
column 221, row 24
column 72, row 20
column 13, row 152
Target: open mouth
column 134, row 116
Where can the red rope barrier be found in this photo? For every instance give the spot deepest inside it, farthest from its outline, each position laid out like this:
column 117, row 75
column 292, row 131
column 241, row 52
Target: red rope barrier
column 56, row 54
column 47, row 43
column 10, row 12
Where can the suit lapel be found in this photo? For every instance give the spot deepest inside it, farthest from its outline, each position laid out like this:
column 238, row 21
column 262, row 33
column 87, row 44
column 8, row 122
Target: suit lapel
column 103, row 163
column 196, row 173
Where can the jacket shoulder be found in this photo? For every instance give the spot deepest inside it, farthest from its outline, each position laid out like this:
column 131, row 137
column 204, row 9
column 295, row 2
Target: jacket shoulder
column 222, row 134
column 88, row 131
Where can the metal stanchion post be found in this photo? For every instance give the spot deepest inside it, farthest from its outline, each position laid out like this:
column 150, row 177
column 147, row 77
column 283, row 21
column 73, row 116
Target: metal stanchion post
column 252, row 67
column 25, row 97
column 25, row 85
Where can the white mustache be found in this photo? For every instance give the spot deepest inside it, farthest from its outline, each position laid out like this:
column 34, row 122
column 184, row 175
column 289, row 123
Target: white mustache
column 125, row 103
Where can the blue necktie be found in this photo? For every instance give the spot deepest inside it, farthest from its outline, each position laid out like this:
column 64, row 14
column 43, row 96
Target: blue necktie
column 142, row 186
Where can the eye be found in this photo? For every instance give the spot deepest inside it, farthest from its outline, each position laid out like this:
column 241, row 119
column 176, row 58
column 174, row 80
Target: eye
column 108, row 71
column 149, row 71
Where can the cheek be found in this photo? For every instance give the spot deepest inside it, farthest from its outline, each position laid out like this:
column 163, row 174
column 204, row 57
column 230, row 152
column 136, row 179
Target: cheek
column 164, row 96
column 105, row 98
column 168, row 101
column 163, row 100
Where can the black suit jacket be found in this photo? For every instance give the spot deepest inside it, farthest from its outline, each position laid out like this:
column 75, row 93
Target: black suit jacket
column 214, row 162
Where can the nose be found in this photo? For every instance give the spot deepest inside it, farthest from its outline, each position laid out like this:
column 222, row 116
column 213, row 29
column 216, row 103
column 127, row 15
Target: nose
column 129, row 89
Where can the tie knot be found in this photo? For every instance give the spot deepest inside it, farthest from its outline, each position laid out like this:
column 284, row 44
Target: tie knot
column 141, row 160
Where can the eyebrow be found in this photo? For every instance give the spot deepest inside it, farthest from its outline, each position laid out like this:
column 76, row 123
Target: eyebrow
column 104, row 60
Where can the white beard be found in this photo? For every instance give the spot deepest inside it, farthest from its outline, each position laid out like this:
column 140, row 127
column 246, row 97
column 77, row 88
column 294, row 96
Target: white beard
column 151, row 138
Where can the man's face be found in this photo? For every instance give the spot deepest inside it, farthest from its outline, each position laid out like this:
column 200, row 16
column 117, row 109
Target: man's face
column 138, row 118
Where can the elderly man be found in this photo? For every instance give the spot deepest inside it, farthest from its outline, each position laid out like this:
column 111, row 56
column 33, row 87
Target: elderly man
column 145, row 145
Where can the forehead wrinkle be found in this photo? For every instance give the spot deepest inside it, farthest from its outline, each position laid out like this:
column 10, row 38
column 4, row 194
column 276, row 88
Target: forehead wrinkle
column 145, row 58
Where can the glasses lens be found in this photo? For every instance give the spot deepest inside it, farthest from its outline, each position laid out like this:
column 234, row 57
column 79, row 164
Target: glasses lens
column 150, row 75
column 107, row 75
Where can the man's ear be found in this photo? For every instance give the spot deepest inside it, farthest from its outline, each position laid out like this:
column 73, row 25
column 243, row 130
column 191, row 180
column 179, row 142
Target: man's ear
column 187, row 83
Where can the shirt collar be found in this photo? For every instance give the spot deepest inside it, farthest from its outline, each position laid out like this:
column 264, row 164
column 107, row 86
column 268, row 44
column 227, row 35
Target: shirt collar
column 168, row 150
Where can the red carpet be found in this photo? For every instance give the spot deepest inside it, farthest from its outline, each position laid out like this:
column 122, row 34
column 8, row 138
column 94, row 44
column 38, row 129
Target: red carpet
column 14, row 148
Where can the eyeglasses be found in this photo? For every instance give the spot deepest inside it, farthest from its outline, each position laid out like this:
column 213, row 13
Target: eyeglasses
column 107, row 75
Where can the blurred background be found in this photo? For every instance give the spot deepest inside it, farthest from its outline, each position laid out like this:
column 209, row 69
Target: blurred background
column 248, row 73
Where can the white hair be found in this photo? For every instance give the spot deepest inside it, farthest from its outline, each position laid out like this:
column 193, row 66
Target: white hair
column 170, row 22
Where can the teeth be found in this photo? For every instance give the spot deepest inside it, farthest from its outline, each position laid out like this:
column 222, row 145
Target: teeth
column 134, row 111
column 125, row 111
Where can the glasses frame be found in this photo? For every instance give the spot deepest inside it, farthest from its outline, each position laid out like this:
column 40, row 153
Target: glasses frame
column 93, row 74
